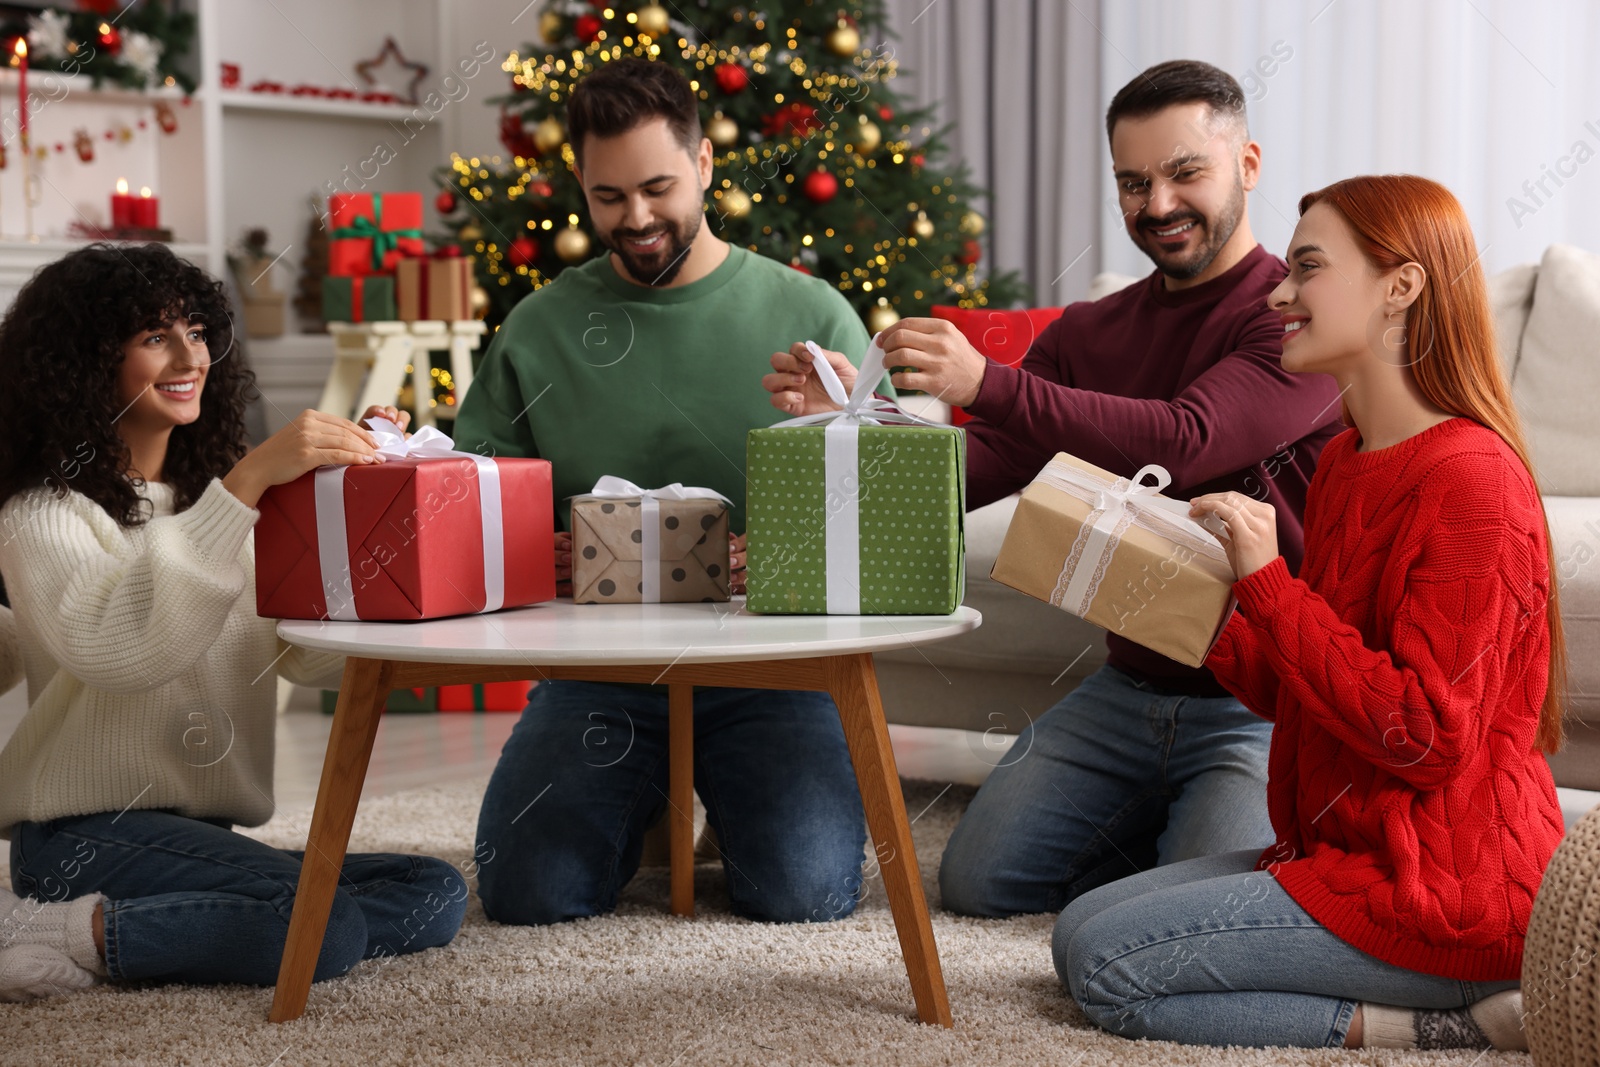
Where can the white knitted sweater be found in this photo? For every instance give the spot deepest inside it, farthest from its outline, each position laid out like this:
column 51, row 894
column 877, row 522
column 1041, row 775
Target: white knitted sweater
column 151, row 680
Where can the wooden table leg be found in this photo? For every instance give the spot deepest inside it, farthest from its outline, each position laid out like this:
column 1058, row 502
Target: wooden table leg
column 680, row 794
column 853, row 683
column 355, row 725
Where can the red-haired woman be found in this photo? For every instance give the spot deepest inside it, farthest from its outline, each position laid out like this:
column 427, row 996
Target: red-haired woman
column 1413, row 672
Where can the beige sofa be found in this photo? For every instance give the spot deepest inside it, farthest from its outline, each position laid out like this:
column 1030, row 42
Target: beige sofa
column 1027, row 655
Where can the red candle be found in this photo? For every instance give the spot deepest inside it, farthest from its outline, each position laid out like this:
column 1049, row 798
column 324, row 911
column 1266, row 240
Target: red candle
column 122, row 206
column 146, row 210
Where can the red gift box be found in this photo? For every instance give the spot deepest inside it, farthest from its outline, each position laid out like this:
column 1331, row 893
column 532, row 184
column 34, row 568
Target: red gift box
column 485, row 696
column 371, row 232
column 405, row 539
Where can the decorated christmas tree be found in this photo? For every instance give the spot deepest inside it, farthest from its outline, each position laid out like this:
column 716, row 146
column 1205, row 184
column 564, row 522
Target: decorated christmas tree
column 818, row 164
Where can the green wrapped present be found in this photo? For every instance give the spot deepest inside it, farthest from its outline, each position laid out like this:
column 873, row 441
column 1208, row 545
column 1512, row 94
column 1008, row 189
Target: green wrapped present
column 849, row 516
column 358, row 299
column 398, row 700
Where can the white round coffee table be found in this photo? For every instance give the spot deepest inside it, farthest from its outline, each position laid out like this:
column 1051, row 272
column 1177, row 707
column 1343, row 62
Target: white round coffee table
column 678, row 645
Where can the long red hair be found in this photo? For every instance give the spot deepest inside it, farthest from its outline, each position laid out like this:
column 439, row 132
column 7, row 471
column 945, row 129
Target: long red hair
column 1401, row 218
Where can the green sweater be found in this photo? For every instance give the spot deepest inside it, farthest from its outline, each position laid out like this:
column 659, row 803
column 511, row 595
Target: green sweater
column 602, row 376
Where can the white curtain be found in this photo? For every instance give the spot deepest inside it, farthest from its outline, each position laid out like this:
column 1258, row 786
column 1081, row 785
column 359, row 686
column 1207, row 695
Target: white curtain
column 1498, row 99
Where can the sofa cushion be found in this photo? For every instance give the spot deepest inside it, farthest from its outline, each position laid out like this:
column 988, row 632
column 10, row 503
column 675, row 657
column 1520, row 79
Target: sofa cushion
column 1558, row 374
column 1510, row 301
column 1003, row 336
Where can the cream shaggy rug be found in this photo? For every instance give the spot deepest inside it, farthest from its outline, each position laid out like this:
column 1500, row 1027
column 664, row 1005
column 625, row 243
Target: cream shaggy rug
column 637, row 987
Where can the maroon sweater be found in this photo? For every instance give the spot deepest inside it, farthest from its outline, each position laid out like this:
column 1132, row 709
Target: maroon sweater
column 1188, row 379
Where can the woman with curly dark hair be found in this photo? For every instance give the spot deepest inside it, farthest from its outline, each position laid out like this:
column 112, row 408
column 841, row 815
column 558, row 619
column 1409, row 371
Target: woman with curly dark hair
column 127, row 500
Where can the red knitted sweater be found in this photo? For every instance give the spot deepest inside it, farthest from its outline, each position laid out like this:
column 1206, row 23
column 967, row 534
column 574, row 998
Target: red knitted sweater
column 1403, row 671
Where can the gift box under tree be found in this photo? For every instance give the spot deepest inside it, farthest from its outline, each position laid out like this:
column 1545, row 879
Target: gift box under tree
column 370, row 233
column 1115, row 552
column 428, row 533
column 858, row 512
column 436, row 287
column 358, row 298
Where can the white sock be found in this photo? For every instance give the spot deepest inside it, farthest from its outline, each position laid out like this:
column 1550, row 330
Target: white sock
column 28, row 972
column 1383, row 1026
column 1500, row 1019
column 67, row 927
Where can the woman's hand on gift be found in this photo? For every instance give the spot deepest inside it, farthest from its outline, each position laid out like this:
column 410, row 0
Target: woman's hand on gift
column 400, row 418
column 563, row 563
column 796, row 390
column 736, row 563
column 942, row 361
column 1252, row 540
column 314, row 439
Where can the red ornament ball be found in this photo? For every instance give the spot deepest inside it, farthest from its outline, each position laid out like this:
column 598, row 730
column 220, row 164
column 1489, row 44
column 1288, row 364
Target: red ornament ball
column 801, row 267
column 445, row 202
column 919, row 160
column 819, row 187
column 523, row 251
column 110, row 38
column 971, row 252
column 886, row 113
column 731, row 78
column 541, row 189
column 587, row 28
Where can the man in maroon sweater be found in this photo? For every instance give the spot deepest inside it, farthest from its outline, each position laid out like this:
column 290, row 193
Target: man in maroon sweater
column 1148, row 761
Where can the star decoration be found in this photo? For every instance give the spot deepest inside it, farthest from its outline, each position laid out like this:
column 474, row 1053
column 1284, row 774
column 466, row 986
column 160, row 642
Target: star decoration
column 392, row 51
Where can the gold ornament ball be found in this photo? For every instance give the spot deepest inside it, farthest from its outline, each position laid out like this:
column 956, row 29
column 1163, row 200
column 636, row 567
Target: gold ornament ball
column 972, row 223
column 868, row 137
column 550, row 135
column 470, row 233
column 922, row 229
column 478, row 302
column 843, row 39
column 881, row 318
column 550, row 27
column 572, row 245
column 736, row 202
column 653, row 20
column 723, row 131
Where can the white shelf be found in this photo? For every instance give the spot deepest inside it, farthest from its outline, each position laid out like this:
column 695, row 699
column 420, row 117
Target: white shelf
column 284, row 104
column 48, row 83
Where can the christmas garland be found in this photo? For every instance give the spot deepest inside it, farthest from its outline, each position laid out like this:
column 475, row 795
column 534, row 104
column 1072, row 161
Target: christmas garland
column 140, row 46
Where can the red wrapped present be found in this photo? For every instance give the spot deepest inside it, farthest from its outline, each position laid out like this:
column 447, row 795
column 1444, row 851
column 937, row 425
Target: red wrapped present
column 428, row 534
column 439, row 287
column 485, row 696
column 372, row 232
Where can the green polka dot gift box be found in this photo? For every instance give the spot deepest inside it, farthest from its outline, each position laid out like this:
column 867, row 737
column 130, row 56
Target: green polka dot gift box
column 876, row 530
column 656, row 546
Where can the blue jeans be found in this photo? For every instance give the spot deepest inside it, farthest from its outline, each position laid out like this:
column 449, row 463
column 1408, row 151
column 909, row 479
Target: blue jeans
column 192, row 901
column 584, row 774
column 1214, row 952
column 1114, row 779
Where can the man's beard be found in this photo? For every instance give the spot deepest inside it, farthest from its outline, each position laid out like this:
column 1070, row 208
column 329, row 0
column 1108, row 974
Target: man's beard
column 1214, row 234
column 660, row 267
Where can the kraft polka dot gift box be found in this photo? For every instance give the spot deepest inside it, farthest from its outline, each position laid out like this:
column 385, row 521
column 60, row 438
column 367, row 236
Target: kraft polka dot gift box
column 856, row 512
column 649, row 546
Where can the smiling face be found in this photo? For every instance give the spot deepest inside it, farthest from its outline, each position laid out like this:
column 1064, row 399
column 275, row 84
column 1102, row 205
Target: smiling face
column 1181, row 176
column 1334, row 302
column 646, row 196
column 162, row 375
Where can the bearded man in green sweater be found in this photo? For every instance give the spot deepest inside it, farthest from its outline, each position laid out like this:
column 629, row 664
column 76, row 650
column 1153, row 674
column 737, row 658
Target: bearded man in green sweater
column 646, row 364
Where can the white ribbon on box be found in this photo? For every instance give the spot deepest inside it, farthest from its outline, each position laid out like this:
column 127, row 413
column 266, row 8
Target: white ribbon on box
column 333, row 548
column 841, row 530
column 610, row 487
column 1118, row 504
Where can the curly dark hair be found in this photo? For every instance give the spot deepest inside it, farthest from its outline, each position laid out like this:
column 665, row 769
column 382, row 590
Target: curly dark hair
column 61, row 350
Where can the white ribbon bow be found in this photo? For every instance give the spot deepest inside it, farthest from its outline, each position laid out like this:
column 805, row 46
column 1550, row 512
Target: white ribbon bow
column 1117, row 504
column 610, row 487
column 333, row 547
